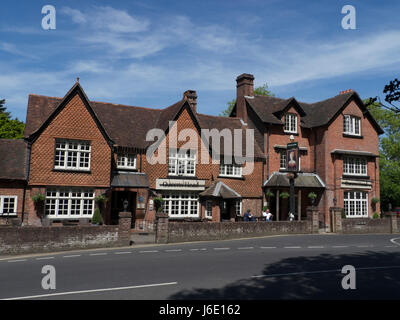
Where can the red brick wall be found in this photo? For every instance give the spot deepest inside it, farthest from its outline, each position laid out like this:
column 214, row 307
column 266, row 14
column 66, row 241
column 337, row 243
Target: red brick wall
column 73, row 122
column 12, row 189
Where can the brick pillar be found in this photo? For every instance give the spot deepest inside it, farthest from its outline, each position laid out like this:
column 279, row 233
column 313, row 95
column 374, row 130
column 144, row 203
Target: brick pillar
column 124, row 230
column 336, row 219
column 313, row 217
column 393, row 221
column 162, row 228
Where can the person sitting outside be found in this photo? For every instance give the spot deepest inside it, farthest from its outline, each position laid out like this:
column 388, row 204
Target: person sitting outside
column 268, row 215
column 248, row 216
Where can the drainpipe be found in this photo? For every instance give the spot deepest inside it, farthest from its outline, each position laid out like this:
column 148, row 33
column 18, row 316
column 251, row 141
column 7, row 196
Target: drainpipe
column 28, row 168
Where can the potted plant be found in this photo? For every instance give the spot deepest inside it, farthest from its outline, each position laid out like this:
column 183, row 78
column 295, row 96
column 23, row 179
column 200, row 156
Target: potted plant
column 97, row 219
column 101, row 200
column 374, row 201
column 312, row 196
column 284, row 195
column 38, row 200
column 376, row 215
column 158, row 204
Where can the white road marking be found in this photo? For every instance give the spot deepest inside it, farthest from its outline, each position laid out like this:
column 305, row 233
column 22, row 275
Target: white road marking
column 194, row 249
column 203, row 249
column 268, row 247
column 20, row 260
column 390, row 246
column 72, row 256
column 364, row 246
column 340, row 246
column 94, row 290
column 45, row 258
column 394, row 241
column 320, row 271
column 245, row 248
column 222, row 248
column 295, row 247
column 173, row 250
column 315, row 247
column 148, row 251
column 125, row 252
column 98, row 254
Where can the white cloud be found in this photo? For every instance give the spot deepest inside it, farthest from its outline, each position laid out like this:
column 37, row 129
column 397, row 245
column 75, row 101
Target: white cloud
column 76, row 15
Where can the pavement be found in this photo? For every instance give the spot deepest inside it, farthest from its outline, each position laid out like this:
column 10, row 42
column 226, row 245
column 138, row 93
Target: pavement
column 277, row 267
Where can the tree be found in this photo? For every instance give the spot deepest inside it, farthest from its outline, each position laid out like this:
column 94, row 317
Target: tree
column 392, row 91
column 10, row 128
column 259, row 91
column 389, row 155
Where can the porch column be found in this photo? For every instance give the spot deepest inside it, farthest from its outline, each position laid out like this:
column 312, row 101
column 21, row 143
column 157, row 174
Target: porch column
column 277, row 205
column 299, row 204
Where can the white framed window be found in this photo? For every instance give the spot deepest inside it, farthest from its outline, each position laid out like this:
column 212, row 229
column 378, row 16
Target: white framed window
column 126, row 161
column 291, row 123
column 209, row 209
column 356, row 204
column 238, row 207
column 72, row 155
column 230, row 170
column 282, row 161
column 181, row 204
column 8, row 205
column 69, row 203
column 355, row 166
column 182, row 163
column 351, row 125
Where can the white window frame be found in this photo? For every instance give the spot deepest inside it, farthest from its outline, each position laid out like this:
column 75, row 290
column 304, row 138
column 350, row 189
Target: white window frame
column 208, row 209
column 356, row 207
column 282, row 159
column 68, row 199
column 230, row 170
column 126, row 160
column 181, row 201
column 182, row 159
column 2, row 200
column 62, row 153
column 238, row 207
column 290, row 123
column 355, row 166
column 349, row 125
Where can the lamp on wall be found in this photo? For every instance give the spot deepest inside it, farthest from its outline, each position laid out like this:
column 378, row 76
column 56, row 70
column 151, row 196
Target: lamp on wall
column 334, row 201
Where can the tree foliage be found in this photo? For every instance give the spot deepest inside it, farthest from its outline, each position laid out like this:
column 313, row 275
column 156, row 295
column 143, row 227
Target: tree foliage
column 389, row 156
column 9, row 128
column 392, row 97
column 259, row 91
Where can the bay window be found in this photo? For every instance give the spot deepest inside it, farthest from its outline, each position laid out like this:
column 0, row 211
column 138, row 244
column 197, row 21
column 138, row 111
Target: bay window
column 356, row 204
column 181, row 204
column 355, row 166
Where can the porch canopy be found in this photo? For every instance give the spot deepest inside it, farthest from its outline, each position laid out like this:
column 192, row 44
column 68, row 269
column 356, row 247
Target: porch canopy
column 219, row 189
column 130, row 180
column 303, row 180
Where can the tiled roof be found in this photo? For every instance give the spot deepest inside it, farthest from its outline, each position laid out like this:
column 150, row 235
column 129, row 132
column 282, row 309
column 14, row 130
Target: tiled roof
column 13, row 159
column 303, row 180
column 130, row 179
column 218, row 189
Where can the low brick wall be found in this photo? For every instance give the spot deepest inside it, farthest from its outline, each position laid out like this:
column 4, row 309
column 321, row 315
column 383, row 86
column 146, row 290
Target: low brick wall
column 16, row 240
column 198, row 231
column 366, row 225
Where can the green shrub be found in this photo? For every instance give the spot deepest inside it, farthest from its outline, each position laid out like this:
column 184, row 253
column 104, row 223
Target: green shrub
column 158, row 203
column 38, row 198
column 312, row 195
column 284, row 195
column 97, row 217
column 376, row 215
column 375, row 200
column 269, row 194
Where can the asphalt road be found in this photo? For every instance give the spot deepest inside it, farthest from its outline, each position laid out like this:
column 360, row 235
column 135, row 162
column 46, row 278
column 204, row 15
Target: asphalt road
column 281, row 267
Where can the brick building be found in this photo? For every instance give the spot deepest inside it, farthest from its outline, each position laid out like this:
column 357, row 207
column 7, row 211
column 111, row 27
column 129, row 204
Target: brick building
column 338, row 145
column 76, row 150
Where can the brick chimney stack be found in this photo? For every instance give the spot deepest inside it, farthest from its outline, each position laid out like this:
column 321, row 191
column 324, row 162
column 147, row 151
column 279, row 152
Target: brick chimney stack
column 191, row 97
column 346, row 91
column 244, row 87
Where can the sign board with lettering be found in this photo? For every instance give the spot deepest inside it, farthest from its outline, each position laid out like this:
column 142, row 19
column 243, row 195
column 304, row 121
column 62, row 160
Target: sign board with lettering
column 180, row 184
column 292, row 157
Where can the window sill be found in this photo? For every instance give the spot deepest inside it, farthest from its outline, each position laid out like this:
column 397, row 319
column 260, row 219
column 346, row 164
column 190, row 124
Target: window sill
column 291, row 133
column 230, row 177
column 181, row 177
column 349, row 135
column 72, row 171
column 10, row 215
column 127, row 169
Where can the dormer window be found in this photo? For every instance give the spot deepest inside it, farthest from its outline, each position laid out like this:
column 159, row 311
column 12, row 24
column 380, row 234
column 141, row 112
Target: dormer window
column 352, row 125
column 290, row 123
column 230, row 170
column 126, row 161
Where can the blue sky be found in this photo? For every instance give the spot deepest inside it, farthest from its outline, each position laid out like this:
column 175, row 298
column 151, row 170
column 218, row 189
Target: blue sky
column 148, row 53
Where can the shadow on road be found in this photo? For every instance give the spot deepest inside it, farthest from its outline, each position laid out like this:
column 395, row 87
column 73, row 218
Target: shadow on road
column 377, row 283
